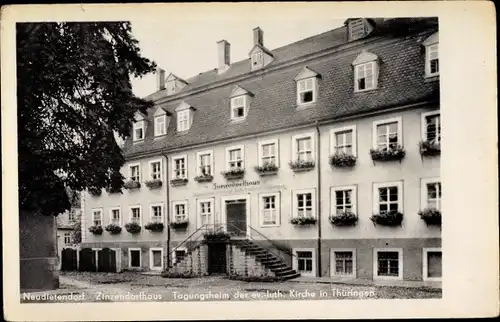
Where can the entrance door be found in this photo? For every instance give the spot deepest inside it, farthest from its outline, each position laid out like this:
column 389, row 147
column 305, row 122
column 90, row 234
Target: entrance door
column 217, row 258
column 236, row 217
column 156, row 258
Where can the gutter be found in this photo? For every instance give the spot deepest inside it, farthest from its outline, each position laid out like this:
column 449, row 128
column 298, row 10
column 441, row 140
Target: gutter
column 167, row 210
column 318, row 198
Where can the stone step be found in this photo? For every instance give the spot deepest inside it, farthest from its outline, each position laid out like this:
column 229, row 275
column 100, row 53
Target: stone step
column 290, row 276
column 285, row 272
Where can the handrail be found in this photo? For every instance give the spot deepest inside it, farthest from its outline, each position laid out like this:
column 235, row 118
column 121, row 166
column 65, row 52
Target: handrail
column 187, row 238
column 273, row 243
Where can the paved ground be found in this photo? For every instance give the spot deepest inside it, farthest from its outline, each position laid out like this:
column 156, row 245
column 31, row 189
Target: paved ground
column 123, row 287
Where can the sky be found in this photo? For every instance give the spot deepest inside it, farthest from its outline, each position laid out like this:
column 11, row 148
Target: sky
column 187, row 48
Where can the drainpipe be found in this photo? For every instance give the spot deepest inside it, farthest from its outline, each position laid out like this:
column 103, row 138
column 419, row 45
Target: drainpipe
column 167, row 209
column 318, row 172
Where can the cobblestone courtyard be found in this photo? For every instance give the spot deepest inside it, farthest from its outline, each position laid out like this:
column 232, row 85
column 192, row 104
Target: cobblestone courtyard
column 123, row 287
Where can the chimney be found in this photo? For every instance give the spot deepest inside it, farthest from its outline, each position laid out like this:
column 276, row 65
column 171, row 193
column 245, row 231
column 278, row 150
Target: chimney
column 258, row 36
column 160, row 78
column 223, row 55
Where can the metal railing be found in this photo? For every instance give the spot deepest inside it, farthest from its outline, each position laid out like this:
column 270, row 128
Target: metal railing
column 280, row 248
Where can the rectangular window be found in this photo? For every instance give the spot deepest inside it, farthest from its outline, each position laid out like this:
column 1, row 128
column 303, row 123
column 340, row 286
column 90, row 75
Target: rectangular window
column 135, row 173
column 388, row 264
column 67, row 238
column 344, row 263
column 183, row 120
column 387, row 134
column 365, row 76
column 115, row 216
column 304, row 261
column 180, row 211
column 238, row 107
column 304, row 149
column 431, row 127
column 139, row 131
column 155, row 168
column 269, row 209
column 157, row 213
column 306, row 91
column 356, row 29
column 156, row 258
column 72, row 215
column 431, row 193
column 432, row 61
column 235, row 158
column 206, row 212
column 179, row 255
column 303, row 203
column 268, row 152
column 257, row 58
column 205, row 163
column 180, row 167
column 388, row 197
column 432, row 264
column 97, row 217
column 343, row 140
column 135, row 215
column 343, row 201
column 134, row 257
column 160, row 125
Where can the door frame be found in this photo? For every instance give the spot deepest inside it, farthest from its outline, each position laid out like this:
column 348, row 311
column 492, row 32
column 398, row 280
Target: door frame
column 246, row 197
column 151, row 259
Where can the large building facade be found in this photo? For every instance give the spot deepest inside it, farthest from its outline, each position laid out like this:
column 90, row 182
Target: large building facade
column 327, row 149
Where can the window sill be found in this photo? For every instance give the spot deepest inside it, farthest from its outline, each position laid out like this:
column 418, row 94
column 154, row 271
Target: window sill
column 269, row 226
column 138, row 141
column 431, row 78
column 304, row 106
column 157, row 137
column 387, row 278
column 238, row 120
column 356, row 91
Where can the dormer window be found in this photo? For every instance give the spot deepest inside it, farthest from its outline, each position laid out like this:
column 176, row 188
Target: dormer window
column 432, row 55
column 307, row 86
column 139, row 131
column 257, row 58
column 174, row 84
column 365, row 72
column 160, row 125
column 358, row 28
column 184, row 116
column 260, row 56
column 238, row 107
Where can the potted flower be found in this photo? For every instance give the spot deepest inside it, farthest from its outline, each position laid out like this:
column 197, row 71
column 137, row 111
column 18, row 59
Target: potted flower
column 95, row 192
column 204, row 176
column 267, row 169
column 342, row 160
column 388, row 218
column 132, row 184
column 393, row 153
column 234, row 173
column 133, row 227
column 96, row 229
column 179, row 224
column 153, row 183
column 156, row 227
column 343, row 219
column 178, row 181
column 301, row 165
column 431, row 216
column 429, row 148
column 303, row 221
column 113, row 229
column 216, row 236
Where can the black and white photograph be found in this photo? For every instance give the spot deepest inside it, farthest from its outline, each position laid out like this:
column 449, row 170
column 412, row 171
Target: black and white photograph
column 252, row 158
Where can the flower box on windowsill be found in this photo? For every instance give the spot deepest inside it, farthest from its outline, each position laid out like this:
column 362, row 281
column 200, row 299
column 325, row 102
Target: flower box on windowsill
column 179, row 224
column 133, row 228
column 342, row 160
column 216, row 236
column 204, row 178
column 343, row 219
column 153, row 184
column 431, row 216
column 95, row 192
column 234, row 174
column 303, row 221
column 267, row 169
column 156, row 227
column 393, row 154
column 179, row 182
column 96, row 230
column 132, row 185
column 113, row 229
column 388, row 218
column 429, row 148
column 299, row 165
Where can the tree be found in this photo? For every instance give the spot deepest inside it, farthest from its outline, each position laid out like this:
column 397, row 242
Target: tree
column 74, row 94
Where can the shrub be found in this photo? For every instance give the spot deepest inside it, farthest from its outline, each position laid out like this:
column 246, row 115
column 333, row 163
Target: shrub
column 429, row 148
column 113, row 229
column 154, row 226
column 95, row 192
column 342, row 160
column 302, row 221
column 133, row 228
column 96, row 229
column 431, row 216
column 391, row 154
column 388, row 218
column 344, row 219
column 300, row 165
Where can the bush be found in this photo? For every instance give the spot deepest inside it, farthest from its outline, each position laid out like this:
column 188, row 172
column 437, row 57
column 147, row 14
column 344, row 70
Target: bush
column 396, row 153
column 133, row 228
column 344, row 219
column 342, row 160
column 154, row 226
column 431, row 216
column 96, row 230
column 389, row 218
column 302, row 221
column 95, row 192
column 113, row 229
column 300, row 165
